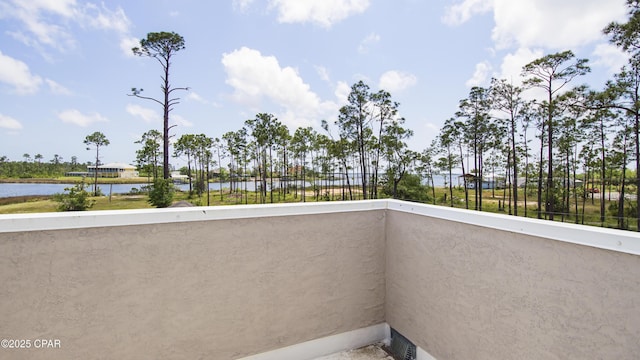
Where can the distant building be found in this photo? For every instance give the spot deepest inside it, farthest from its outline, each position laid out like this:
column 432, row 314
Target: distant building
column 113, row 170
column 76, row 173
column 179, row 178
column 487, row 184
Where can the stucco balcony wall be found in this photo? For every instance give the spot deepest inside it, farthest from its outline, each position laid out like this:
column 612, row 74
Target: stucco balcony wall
column 210, row 283
column 463, row 286
column 289, row 281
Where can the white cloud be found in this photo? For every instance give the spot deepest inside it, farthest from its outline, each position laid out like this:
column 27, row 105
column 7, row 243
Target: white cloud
column 342, row 92
column 110, row 20
column 553, row 24
column 196, row 97
column 462, row 12
column 323, row 73
column 610, row 56
column 7, row 122
column 512, row 64
column 435, row 128
column 480, row 75
column 64, row 8
column 322, row 12
column 256, row 79
column 241, row 5
column 541, row 23
column 180, row 120
column 511, row 70
column 105, row 19
column 37, row 31
column 56, row 88
column 16, row 74
column 371, row 39
column 395, row 81
column 48, row 24
column 127, row 43
column 528, row 29
column 75, row 117
column 146, row 114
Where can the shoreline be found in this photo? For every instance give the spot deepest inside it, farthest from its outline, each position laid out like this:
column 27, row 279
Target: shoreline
column 22, row 199
column 73, row 180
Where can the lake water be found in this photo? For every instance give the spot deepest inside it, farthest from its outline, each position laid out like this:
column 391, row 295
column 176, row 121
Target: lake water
column 14, row 189
column 10, row 189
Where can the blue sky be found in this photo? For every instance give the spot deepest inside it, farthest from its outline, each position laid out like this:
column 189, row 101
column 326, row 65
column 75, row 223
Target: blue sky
column 66, row 65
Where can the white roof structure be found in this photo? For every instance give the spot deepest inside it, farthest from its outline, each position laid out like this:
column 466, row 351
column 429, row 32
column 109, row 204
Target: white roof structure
column 115, row 166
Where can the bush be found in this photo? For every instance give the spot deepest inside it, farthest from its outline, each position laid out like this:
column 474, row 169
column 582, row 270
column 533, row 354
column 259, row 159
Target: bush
column 630, row 209
column 77, row 199
column 97, row 192
column 199, row 186
column 161, row 193
column 410, row 188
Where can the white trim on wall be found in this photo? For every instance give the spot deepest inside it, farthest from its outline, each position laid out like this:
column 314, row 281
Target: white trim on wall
column 603, row 238
column 327, row 345
column 610, row 239
column 105, row 218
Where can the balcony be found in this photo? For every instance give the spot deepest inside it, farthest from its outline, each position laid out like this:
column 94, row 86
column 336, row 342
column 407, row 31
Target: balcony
column 301, row 281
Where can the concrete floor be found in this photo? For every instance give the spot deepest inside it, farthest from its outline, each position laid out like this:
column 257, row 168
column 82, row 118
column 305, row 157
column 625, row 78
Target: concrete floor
column 371, row 352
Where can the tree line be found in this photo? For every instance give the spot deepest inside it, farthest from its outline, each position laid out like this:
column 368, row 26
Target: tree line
column 582, row 135
column 365, row 148
column 579, row 130
column 37, row 166
column 551, row 141
column 585, row 139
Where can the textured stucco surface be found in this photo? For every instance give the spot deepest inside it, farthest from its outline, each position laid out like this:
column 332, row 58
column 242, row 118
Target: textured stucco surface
column 467, row 292
column 227, row 288
column 218, row 289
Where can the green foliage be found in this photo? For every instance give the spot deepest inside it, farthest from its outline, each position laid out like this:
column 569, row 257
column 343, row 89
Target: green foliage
column 161, row 193
column 630, row 209
column 97, row 140
column 98, row 192
column 184, row 170
column 159, row 44
column 224, row 174
column 26, row 170
column 409, row 188
column 77, row 199
column 627, row 35
column 200, row 186
column 148, row 158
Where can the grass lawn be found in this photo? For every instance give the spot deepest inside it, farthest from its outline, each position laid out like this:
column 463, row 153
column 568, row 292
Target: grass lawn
column 490, row 204
column 30, row 206
column 38, row 204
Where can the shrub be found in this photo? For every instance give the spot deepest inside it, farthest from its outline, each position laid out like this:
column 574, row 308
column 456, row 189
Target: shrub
column 161, row 193
column 409, row 188
column 97, row 192
column 77, row 199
